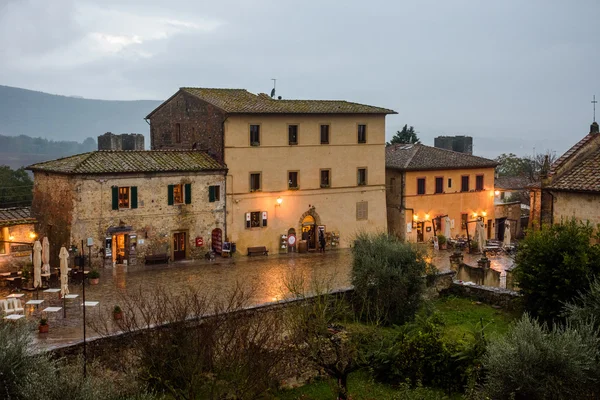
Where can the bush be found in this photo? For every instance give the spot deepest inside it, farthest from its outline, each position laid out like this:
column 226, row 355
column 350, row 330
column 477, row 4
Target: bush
column 533, row 362
column 441, row 239
column 417, row 354
column 586, row 306
column 388, row 279
column 553, row 265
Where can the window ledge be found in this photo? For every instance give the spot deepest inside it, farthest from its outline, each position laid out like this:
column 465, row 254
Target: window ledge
column 255, row 190
column 293, row 143
column 325, row 186
column 255, row 144
column 294, row 188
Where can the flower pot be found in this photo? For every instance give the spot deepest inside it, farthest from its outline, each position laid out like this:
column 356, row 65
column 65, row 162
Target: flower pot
column 94, row 281
column 443, row 246
column 118, row 315
column 44, row 328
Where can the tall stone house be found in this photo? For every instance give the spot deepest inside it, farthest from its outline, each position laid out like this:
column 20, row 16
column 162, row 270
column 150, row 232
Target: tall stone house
column 131, row 203
column 298, row 169
column 427, row 184
column 571, row 187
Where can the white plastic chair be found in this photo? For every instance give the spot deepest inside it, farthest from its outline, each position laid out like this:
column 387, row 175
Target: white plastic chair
column 7, row 307
column 18, row 306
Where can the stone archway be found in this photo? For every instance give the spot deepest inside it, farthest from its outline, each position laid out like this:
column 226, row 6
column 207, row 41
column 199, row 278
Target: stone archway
column 308, row 223
column 311, row 211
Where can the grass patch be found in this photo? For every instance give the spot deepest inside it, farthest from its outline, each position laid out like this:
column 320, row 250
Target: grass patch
column 462, row 316
column 361, row 387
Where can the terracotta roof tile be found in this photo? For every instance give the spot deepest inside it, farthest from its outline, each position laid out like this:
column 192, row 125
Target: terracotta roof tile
column 512, row 182
column 123, row 161
column 15, row 216
column 240, row 101
column 556, row 165
column 417, row 157
column 583, row 177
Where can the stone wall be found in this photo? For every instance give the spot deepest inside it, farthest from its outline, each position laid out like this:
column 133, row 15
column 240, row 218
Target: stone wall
column 581, row 206
column 507, row 299
column 511, row 211
column 396, row 214
column 124, row 141
column 199, row 124
column 154, row 221
column 52, row 207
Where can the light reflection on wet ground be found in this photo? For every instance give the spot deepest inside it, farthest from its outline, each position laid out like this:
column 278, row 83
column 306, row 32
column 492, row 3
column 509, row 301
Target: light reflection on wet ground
column 264, row 277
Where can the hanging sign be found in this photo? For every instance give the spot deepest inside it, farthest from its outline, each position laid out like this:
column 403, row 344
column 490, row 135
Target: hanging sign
column 199, row 241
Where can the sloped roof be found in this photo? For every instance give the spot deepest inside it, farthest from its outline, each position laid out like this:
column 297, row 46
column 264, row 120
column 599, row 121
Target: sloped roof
column 556, row 165
column 240, row 101
column 15, row 216
column 512, row 182
column 127, row 161
column 583, row 177
column 418, row 157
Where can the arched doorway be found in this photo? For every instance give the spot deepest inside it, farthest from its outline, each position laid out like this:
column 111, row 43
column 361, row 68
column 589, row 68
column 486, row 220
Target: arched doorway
column 309, row 231
column 217, row 240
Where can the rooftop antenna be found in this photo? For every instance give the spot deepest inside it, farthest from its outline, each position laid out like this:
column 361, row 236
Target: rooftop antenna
column 274, row 84
column 594, row 103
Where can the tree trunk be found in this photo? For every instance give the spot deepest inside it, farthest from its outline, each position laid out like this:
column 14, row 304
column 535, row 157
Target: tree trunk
column 343, row 387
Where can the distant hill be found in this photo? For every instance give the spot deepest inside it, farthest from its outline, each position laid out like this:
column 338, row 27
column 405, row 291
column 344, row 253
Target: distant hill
column 38, row 114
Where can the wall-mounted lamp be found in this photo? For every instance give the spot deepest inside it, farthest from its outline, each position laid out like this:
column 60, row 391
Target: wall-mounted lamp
column 11, row 238
column 484, row 213
column 32, row 235
column 279, row 201
column 426, row 217
column 474, row 215
column 416, row 217
column 497, row 193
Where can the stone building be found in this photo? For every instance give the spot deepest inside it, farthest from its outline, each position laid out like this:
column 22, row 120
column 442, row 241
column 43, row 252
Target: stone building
column 426, row 184
column 512, row 204
column 124, row 141
column 296, row 167
column 461, row 143
column 17, row 233
column 131, row 203
column 571, row 188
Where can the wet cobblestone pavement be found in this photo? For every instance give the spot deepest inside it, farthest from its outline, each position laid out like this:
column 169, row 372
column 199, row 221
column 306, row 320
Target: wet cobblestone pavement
column 264, row 277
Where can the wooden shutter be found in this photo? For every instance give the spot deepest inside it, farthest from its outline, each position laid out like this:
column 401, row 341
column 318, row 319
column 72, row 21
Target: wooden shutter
column 170, row 195
column 133, row 197
column 362, row 210
column 115, row 197
column 211, row 194
column 188, row 193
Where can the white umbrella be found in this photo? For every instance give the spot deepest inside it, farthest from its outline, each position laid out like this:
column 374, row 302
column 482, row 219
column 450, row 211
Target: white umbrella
column 46, row 255
column 37, row 264
column 480, row 235
column 64, row 272
column 447, row 227
column 506, row 234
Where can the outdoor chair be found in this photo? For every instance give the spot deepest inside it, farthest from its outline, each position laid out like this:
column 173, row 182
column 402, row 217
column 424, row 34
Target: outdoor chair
column 7, row 307
column 17, row 306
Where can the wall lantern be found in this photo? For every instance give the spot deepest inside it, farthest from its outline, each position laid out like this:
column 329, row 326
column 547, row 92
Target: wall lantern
column 484, row 213
column 497, row 193
column 426, row 217
column 416, row 217
column 475, row 215
column 279, row 201
column 32, row 235
column 11, row 238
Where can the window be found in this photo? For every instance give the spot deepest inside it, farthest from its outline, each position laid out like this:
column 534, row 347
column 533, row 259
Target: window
column 256, row 219
column 362, row 210
column 255, row 182
column 124, row 197
column 439, row 185
column 325, row 178
column 324, row 134
column 362, row 134
column 479, row 182
column 464, row 183
column 214, row 193
column 463, row 220
column 420, row 185
column 293, row 180
column 179, row 194
column 362, row 177
column 449, row 182
column 177, row 133
column 293, row 134
column 254, row 135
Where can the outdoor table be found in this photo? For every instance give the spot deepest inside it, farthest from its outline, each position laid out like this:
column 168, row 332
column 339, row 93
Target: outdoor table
column 51, row 290
column 35, row 303
column 14, row 317
column 91, row 303
column 71, row 296
column 15, row 295
column 52, row 309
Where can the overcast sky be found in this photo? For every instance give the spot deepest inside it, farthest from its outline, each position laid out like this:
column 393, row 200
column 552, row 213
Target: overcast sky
column 514, row 74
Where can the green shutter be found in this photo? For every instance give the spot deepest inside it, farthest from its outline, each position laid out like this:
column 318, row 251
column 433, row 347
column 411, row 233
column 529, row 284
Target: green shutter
column 134, row 197
column 115, row 197
column 170, row 197
column 211, row 194
column 188, row 193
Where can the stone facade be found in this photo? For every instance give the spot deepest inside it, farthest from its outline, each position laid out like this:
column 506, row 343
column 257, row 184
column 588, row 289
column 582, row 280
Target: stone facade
column 83, row 208
column 396, row 211
column 124, row 141
column 512, row 213
column 186, row 122
column 581, row 206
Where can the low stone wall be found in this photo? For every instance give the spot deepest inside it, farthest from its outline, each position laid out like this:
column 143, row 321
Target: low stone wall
column 507, row 299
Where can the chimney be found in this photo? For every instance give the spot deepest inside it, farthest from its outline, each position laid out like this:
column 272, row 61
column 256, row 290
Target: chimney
column 594, row 127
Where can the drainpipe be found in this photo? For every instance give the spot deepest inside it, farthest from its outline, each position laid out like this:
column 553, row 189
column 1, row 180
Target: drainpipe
column 225, row 207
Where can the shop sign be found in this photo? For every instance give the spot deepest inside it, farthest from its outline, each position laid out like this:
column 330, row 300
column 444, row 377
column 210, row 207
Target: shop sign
column 199, row 242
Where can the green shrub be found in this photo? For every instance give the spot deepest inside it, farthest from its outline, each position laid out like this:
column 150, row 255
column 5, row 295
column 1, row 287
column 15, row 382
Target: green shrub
column 417, row 354
column 585, row 307
column 441, row 239
column 553, row 265
column 388, row 279
column 533, row 362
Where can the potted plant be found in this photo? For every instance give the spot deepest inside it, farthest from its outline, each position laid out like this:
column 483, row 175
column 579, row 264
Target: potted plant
column 442, row 241
column 474, row 246
column 94, row 277
column 117, row 313
column 43, row 326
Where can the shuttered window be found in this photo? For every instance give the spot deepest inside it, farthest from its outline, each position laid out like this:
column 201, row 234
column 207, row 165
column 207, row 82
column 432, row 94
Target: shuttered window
column 124, row 197
column 179, row 194
column 362, row 210
column 188, row 193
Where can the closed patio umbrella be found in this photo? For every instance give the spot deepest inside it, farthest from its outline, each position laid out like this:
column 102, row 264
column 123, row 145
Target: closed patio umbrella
column 37, row 264
column 447, row 227
column 46, row 255
column 507, row 234
column 64, row 272
column 480, row 235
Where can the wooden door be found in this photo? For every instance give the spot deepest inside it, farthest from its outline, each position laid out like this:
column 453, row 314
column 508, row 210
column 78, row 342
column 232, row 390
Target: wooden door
column 179, row 242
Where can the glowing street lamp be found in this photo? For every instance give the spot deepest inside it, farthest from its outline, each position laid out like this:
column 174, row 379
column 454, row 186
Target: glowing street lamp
column 279, row 201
